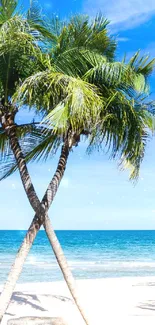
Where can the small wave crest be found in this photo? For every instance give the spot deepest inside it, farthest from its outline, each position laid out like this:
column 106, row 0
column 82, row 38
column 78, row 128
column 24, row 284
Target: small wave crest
column 107, row 265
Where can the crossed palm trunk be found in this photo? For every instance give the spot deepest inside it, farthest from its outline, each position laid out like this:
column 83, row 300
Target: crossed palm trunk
column 40, row 218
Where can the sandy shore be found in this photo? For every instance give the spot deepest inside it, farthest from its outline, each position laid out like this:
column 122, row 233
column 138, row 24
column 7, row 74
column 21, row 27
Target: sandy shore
column 107, row 301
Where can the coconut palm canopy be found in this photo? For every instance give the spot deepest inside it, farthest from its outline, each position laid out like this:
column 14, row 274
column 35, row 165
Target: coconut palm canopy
column 71, row 76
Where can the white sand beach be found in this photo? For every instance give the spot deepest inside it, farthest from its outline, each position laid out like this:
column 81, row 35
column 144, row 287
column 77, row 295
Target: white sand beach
column 107, row 301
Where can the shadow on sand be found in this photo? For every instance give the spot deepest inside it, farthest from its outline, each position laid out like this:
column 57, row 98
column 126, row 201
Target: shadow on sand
column 33, row 301
column 148, row 305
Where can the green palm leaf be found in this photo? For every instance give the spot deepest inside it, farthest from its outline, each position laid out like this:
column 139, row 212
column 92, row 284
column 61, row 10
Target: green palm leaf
column 32, row 141
column 7, row 9
column 18, row 55
column 79, row 32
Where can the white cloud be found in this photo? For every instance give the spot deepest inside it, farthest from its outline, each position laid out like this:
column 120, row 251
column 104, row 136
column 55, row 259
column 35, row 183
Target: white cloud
column 122, row 14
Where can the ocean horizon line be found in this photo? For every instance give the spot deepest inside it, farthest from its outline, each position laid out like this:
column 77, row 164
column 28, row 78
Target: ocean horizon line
column 42, row 230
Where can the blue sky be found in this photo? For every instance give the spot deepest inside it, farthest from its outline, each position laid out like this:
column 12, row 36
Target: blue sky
column 94, row 194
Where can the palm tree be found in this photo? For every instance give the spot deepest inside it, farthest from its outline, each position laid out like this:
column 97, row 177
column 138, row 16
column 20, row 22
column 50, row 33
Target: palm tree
column 88, row 95
column 13, row 32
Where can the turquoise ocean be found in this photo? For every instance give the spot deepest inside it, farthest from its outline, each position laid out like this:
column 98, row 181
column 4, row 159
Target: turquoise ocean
column 91, row 254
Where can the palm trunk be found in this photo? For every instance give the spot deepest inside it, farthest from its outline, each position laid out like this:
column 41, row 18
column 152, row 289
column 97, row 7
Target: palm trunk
column 24, row 174
column 61, row 259
column 35, row 226
column 48, row 198
column 17, row 267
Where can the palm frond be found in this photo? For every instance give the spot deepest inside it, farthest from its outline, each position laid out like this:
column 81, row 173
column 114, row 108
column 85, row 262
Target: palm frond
column 113, row 74
column 74, row 101
column 124, row 130
column 142, row 64
column 38, row 23
column 7, row 160
column 29, row 136
column 94, row 68
column 7, row 9
column 35, row 145
column 47, row 146
column 18, row 55
column 119, row 74
column 4, row 144
column 8, row 167
column 79, row 32
column 76, row 62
